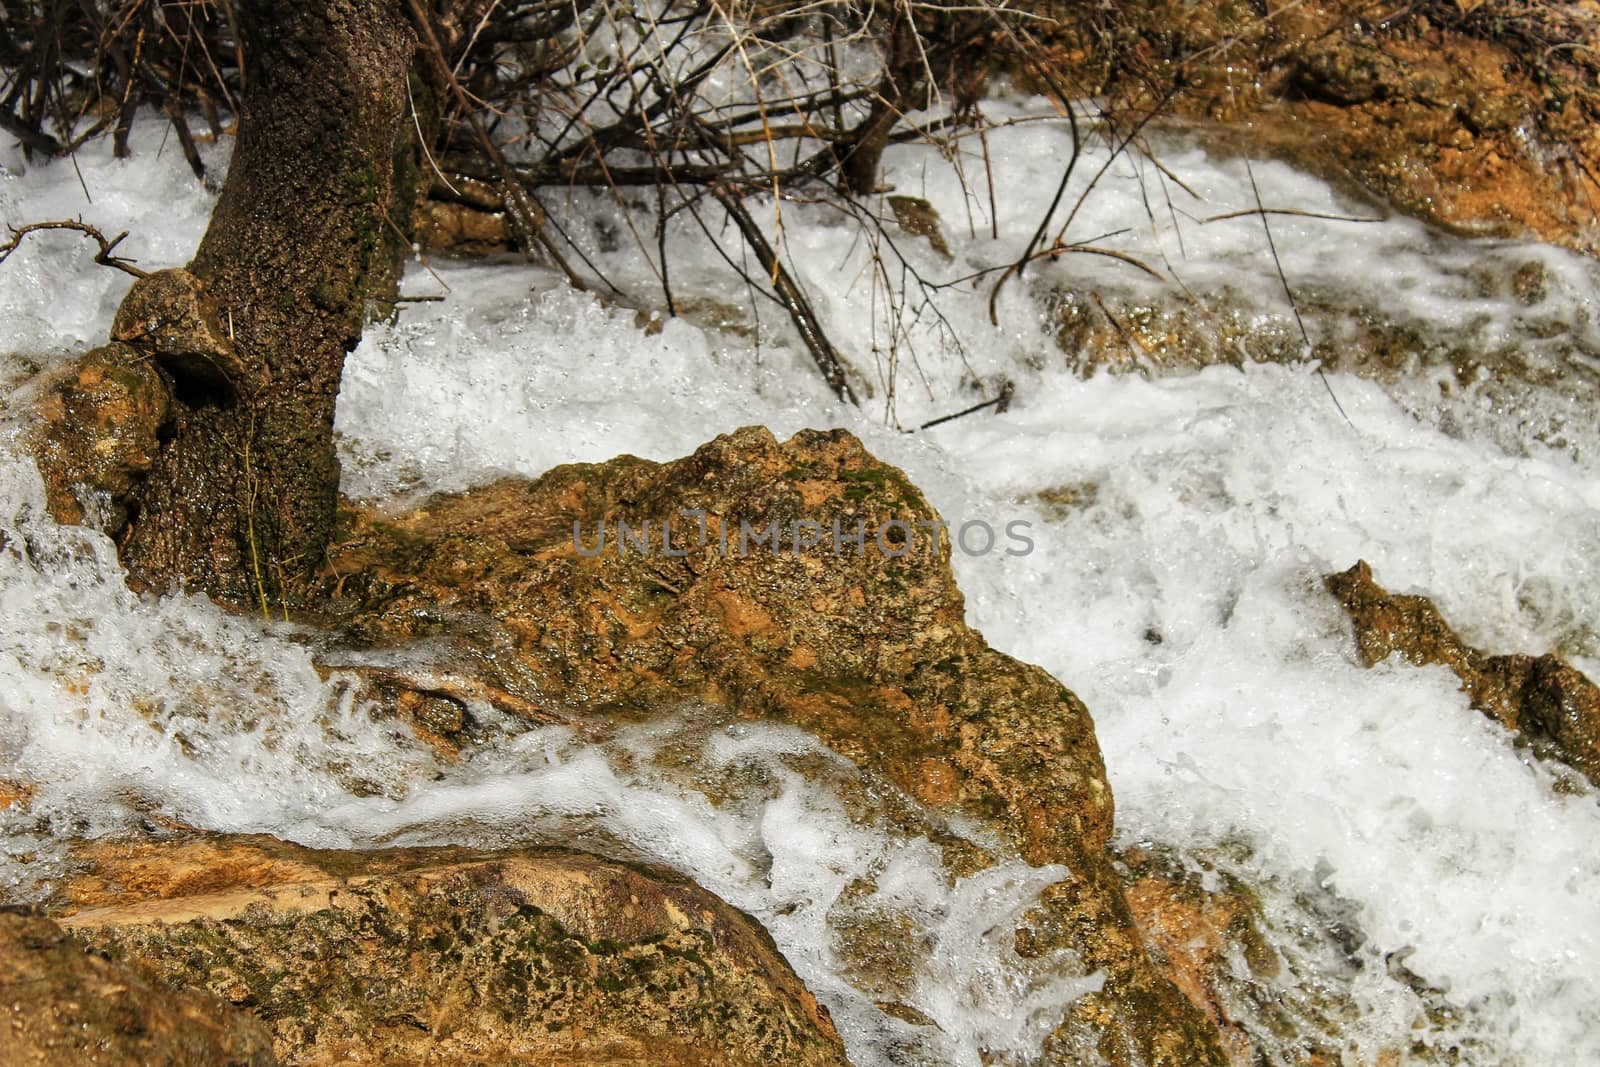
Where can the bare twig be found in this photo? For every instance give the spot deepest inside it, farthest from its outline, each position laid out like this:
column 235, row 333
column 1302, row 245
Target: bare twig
column 458, row 688
column 1294, row 306
column 104, row 257
column 794, row 300
column 999, row 403
column 1055, row 251
column 1247, row 212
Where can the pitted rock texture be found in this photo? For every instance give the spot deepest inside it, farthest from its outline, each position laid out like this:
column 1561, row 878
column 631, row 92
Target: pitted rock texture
column 1542, row 699
column 864, row 646
column 452, row 956
column 65, row 1007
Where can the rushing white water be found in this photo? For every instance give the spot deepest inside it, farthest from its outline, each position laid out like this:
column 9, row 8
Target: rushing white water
column 1178, row 594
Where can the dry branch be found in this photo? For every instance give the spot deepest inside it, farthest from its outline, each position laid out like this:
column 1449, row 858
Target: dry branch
column 697, row 100
column 458, row 688
column 793, row 298
column 104, row 257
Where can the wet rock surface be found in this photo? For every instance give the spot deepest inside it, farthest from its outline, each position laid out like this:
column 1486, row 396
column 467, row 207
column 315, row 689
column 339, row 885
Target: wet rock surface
column 1202, row 936
column 918, row 218
column 1542, row 699
column 1481, row 117
column 864, row 646
column 448, row 955
column 97, row 432
column 65, row 1007
column 1280, row 970
column 1525, row 388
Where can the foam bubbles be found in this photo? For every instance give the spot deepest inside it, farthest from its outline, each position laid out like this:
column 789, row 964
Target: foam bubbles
column 1182, row 528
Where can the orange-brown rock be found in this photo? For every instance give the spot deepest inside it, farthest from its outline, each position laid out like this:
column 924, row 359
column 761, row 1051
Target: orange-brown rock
column 1542, row 699
column 65, row 1007
column 1195, row 933
column 97, row 431
column 449, row 955
column 15, row 794
column 1284, row 987
column 1481, row 117
column 442, row 226
column 864, row 646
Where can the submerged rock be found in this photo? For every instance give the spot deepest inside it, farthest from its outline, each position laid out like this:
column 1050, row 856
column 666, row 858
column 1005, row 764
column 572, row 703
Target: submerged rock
column 1542, row 699
column 1520, row 387
column 919, row 218
column 1285, row 971
column 66, row 1007
column 850, row 627
column 450, row 955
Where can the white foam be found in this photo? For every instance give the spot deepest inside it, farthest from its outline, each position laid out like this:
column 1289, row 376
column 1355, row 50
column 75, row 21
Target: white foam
column 1219, row 500
column 54, row 300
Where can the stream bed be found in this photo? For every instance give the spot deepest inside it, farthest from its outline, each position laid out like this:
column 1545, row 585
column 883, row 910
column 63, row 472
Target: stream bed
column 1411, row 862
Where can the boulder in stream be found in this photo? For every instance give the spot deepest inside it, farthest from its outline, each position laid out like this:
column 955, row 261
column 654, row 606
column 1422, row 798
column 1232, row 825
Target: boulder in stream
column 448, row 955
column 801, row 583
column 1545, row 701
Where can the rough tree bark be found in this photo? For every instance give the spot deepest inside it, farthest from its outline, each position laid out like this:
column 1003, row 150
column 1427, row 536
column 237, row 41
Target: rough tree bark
column 240, row 499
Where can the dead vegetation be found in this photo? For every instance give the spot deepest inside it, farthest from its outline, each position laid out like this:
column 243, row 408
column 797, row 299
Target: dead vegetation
column 713, row 116
column 713, row 113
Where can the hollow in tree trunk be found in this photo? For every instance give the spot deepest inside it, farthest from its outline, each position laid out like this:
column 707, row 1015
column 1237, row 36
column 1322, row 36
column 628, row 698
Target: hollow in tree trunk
column 304, row 239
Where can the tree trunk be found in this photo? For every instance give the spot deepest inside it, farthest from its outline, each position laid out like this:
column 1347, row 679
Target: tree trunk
column 306, row 235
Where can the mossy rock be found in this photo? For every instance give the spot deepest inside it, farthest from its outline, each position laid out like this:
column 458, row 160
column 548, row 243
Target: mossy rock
column 452, row 956
column 863, row 644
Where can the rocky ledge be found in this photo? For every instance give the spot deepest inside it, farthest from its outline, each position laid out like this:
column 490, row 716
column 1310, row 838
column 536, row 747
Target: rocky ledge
column 700, row 594
column 1545, row 702
column 415, row 956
